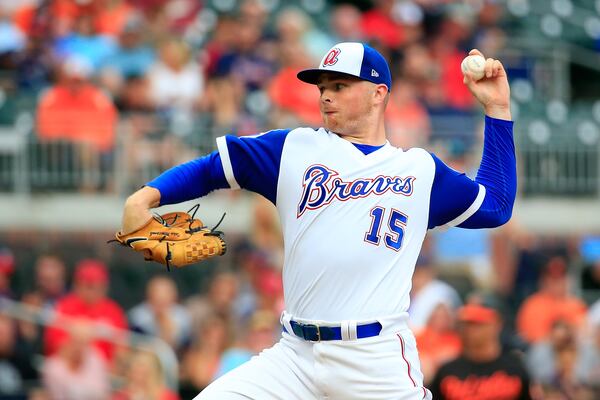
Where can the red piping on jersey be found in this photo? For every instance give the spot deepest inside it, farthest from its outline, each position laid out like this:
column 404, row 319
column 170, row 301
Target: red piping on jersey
column 405, row 360
column 408, row 365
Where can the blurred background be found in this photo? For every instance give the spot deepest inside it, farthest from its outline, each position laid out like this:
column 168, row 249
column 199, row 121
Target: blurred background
column 99, row 96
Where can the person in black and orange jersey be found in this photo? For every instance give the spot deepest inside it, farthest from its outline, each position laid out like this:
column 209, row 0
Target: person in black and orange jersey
column 484, row 371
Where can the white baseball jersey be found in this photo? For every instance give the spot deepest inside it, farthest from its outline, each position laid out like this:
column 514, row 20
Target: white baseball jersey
column 353, row 223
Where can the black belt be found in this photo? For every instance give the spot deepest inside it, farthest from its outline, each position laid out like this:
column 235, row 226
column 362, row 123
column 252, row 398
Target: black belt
column 317, row 333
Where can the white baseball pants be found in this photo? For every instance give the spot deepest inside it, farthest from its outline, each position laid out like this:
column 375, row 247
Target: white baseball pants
column 383, row 367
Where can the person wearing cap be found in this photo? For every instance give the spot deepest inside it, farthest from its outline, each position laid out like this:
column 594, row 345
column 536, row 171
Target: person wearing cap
column 88, row 302
column 483, row 370
column 354, row 212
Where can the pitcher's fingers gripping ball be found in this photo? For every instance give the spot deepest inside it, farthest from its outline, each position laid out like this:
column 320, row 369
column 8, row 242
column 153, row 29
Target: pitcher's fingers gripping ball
column 175, row 238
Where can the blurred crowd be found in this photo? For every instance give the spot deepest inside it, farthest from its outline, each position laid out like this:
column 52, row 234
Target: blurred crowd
column 158, row 79
column 514, row 311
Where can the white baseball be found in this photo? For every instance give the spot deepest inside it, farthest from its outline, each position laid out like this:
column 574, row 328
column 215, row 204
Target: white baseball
column 474, row 64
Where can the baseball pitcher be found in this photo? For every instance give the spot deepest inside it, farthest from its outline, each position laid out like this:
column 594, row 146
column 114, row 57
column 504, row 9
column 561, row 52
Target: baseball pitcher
column 354, row 212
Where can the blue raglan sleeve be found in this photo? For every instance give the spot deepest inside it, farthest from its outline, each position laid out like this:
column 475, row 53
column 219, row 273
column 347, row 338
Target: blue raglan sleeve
column 252, row 162
column 190, row 180
column 487, row 201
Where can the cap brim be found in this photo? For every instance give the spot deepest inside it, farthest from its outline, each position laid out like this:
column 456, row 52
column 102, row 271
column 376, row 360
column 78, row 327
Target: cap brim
column 312, row 75
column 477, row 314
column 309, row 75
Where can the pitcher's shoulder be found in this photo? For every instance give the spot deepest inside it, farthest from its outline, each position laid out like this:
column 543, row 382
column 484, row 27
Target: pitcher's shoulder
column 306, row 130
column 309, row 136
column 418, row 153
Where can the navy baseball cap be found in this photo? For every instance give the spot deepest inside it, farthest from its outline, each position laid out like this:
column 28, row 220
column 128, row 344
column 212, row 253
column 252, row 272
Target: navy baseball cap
column 356, row 59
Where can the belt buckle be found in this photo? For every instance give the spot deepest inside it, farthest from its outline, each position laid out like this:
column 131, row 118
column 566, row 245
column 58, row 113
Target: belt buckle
column 317, row 330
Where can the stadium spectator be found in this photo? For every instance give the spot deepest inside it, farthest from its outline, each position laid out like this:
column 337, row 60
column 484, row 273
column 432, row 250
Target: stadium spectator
column 69, row 10
column 590, row 279
column 167, row 18
column 7, row 267
column 294, row 99
column 219, row 299
column 76, row 111
column 255, row 13
column 531, row 254
column 251, row 261
column 593, row 317
column 259, row 334
column 12, row 40
column 484, row 370
column 587, row 367
column 30, row 339
column 224, row 102
column 437, row 341
column 160, row 315
column 407, row 119
column 85, row 42
column 201, row 362
column 491, row 41
column 222, row 41
column 267, row 231
column 77, row 370
column 269, row 289
column 447, row 55
column 551, row 362
column 345, row 23
column 174, row 91
column 144, row 380
column 124, row 70
column 50, row 286
column 111, row 16
column 379, row 23
column 419, row 67
column 175, row 81
column 427, row 293
column 88, row 302
column 32, row 19
column 294, row 28
column 12, row 385
column 247, row 62
column 34, row 67
column 224, row 99
column 50, row 280
column 552, row 302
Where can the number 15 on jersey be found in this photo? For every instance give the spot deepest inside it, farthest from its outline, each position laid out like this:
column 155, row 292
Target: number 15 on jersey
column 394, row 233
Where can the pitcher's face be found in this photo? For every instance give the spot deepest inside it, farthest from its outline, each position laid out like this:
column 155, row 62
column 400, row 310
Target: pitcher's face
column 345, row 102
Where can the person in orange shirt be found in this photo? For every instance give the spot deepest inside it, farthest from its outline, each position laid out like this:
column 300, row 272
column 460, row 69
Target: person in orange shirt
column 438, row 342
column 406, row 117
column 75, row 110
column 552, row 302
column 291, row 96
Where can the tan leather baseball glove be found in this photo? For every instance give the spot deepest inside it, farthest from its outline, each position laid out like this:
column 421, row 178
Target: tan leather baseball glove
column 176, row 238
